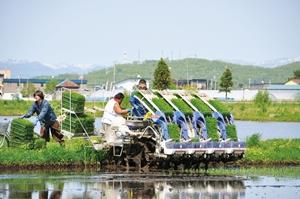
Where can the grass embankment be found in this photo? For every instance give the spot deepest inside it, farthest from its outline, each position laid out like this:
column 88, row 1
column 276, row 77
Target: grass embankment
column 273, row 151
column 20, row 107
column 77, row 152
column 256, row 171
column 276, row 111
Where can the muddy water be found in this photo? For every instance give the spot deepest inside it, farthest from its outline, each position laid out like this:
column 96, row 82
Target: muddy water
column 152, row 185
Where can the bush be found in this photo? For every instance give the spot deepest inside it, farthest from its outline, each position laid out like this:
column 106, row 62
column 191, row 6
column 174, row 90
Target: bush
column 212, row 130
column 21, row 134
column 231, row 132
column 163, row 106
column 262, row 100
column 174, row 132
column 183, row 107
column 201, row 106
column 253, row 140
column 76, row 128
column 73, row 101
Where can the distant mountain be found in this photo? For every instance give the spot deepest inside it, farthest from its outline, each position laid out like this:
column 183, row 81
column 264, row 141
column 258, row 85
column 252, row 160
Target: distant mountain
column 268, row 63
column 190, row 68
column 30, row 69
column 194, row 69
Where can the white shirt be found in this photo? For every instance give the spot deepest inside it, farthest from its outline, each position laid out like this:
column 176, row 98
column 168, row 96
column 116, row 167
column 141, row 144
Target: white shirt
column 110, row 116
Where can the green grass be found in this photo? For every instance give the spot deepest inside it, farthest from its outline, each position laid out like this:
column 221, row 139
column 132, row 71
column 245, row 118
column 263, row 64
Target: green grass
column 183, row 107
column 201, row 106
column 76, row 151
column 276, row 111
column 212, row 131
column 273, row 151
column 256, row 171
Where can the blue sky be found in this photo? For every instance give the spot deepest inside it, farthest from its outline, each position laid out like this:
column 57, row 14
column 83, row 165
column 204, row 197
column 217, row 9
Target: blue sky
column 100, row 32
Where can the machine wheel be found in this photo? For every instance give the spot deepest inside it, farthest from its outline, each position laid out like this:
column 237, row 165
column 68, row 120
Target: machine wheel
column 3, row 141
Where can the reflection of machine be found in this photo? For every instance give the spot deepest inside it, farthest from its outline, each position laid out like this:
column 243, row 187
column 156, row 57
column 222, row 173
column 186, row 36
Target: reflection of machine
column 141, row 140
column 106, row 186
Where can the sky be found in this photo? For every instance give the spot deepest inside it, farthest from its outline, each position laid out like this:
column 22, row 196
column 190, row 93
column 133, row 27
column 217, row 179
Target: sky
column 106, row 32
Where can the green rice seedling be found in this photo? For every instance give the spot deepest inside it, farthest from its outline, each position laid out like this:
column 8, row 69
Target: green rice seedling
column 212, row 130
column 174, row 132
column 221, row 107
column 21, row 133
column 76, row 128
column 201, row 106
column 231, row 132
column 163, row 106
column 73, row 101
column 183, row 106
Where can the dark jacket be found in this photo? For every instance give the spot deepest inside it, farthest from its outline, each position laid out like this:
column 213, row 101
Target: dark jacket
column 44, row 111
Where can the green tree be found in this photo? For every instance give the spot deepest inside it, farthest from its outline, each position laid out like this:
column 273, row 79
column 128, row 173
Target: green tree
column 162, row 76
column 297, row 73
column 50, row 86
column 28, row 90
column 262, row 100
column 226, row 82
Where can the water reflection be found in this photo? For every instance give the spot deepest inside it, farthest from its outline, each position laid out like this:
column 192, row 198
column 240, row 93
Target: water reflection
column 141, row 187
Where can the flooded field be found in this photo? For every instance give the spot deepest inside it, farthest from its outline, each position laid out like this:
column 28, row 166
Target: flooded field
column 69, row 185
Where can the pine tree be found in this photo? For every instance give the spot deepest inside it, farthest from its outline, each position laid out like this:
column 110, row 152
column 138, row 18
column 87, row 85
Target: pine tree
column 162, row 76
column 226, row 82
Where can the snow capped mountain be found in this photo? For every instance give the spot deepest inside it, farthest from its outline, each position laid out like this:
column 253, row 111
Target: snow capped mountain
column 268, row 63
column 30, row 69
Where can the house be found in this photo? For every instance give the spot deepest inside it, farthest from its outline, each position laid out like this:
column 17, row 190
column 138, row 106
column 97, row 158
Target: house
column 293, row 82
column 129, row 84
column 14, row 85
column 284, row 92
column 67, row 84
column 197, row 83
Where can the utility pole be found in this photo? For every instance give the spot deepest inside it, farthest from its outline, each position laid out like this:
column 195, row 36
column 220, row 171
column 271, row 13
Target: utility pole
column 187, row 74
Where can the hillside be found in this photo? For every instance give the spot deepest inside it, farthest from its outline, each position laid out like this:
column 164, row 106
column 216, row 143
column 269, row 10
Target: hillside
column 197, row 69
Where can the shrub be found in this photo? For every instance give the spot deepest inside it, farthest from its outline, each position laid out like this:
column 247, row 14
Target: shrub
column 76, row 128
column 73, row 101
column 201, row 106
column 212, row 130
column 163, row 106
column 174, row 132
column 183, row 107
column 262, row 100
column 231, row 132
column 253, row 140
